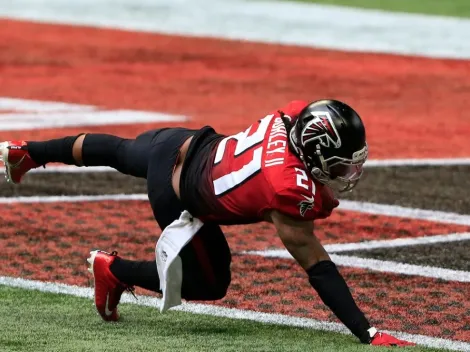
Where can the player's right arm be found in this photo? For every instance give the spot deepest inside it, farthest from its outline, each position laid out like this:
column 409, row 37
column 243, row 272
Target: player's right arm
column 299, row 239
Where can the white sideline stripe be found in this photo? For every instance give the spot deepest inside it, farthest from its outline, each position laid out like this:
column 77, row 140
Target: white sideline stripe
column 68, row 199
column 232, row 313
column 32, row 121
column 363, row 207
column 384, row 266
column 398, row 242
column 367, row 245
column 296, row 23
column 23, row 114
column 387, row 266
column 369, row 164
column 417, row 162
column 403, row 212
column 69, row 169
column 401, row 268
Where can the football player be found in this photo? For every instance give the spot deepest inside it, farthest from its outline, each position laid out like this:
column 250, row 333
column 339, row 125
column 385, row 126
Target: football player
column 281, row 169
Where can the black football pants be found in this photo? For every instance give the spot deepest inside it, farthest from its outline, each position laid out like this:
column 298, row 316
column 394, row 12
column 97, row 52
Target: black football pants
column 153, row 155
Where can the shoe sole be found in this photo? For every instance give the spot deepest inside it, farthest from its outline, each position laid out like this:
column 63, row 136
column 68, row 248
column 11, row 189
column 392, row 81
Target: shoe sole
column 4, row 158
column 91, row 261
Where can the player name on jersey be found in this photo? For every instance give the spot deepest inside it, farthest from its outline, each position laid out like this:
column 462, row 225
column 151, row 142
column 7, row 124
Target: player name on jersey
column 277, row 143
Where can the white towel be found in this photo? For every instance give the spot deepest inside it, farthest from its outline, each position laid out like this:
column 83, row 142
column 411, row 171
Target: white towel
column 169, row 264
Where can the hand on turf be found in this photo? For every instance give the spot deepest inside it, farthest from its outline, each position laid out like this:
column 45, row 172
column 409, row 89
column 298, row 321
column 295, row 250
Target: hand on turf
column 382, row 339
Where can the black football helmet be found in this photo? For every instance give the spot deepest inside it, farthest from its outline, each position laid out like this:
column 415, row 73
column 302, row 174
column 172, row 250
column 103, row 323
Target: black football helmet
column 330, row 138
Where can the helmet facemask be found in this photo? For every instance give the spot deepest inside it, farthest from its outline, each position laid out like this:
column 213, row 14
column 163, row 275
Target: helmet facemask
column 340, row 173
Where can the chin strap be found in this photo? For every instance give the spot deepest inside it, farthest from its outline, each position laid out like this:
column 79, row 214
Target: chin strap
column 290, row 128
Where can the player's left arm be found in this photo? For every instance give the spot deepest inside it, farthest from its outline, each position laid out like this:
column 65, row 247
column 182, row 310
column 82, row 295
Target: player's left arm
column 325, row 278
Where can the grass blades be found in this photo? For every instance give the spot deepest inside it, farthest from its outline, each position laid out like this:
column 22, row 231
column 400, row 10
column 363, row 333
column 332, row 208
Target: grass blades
column 36, row 321
column 457, row 8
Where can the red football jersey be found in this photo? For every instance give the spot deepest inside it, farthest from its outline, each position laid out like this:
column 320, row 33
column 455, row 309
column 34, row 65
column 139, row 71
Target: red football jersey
column 254, row 171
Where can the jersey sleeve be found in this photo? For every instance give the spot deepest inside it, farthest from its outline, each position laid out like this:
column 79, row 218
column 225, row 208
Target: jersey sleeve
column 298, row 204
column 293, row 108
column 295, row 192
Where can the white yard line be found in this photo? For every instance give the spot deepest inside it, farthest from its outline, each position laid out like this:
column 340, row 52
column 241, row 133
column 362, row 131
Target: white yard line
column 372, row 264
column 363, row 207
column 403, row 212
column 72, row 199
column 387, row 266
column 384, row 266
column 294, row 23
column 368, row 245
column 207, row 309
column 398, row 242
column 68, row 169
column 25, row 114
column 417, row 162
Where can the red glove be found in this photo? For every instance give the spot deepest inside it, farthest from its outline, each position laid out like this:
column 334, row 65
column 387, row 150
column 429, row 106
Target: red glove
column 382, row 339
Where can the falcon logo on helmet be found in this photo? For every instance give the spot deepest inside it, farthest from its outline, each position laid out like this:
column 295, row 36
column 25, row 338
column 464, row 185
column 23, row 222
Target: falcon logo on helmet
column 322, row 130
column 330, row 139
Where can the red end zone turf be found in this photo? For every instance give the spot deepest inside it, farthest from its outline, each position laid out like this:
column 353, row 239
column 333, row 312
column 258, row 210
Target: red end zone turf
column 111, row 225
column 413, row 107
column 405, row 303
column 54, row 239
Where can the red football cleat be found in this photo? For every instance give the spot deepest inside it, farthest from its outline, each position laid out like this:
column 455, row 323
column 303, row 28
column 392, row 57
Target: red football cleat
column 17, row 160
column 108, row 289
column 383, row 339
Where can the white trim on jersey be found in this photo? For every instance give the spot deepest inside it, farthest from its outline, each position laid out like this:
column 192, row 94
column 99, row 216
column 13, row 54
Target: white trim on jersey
column 227, row 182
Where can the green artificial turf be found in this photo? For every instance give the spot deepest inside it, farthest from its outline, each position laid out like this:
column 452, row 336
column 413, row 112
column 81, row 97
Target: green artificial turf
column 36, row 321
column 459, row 8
